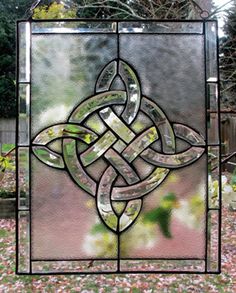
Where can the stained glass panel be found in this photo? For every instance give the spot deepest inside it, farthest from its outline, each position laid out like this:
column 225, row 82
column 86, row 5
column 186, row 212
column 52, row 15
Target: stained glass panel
column 120, row 151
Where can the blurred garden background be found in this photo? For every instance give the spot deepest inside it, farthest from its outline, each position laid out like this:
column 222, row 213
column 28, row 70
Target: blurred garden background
column 225, row 12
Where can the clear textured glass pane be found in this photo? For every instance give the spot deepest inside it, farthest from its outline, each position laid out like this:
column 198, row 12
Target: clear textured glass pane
column 212, row 96
column 161, row 27
column 83, row 266
column 23, row 177
column 213, row 241
column 149, row 265
column 24, row 51
column 213, row 128
column 172, row 214
column 213, row 177
column 65, row 27
column 24, row 105
column 211, row 51
column 23, row 242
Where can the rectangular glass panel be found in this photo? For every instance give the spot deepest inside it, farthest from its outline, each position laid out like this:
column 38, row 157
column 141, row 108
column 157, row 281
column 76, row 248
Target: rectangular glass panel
column 213, row 177
column 161, row 27
column 147, row 265
column 213, row 241
column 211, row 51
column 86, row 266
column 23, row 178
column 213, row 128
column 24, row 51
column 127, row 190
column 23, row 242
column 65, row 27
column 24, row 104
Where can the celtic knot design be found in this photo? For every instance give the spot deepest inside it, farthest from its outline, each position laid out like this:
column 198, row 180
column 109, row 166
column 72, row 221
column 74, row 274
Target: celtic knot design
column 121, row 127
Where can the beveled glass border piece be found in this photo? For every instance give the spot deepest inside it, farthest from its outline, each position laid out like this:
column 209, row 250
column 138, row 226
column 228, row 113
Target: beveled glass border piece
column 68, row 27
column 211, row 51
column 24, row 51
column 213, row 250
column 163, row 265
column 24, row 114
column 159, row 27
column 214, row 177
column 23, row 177
column 23, row 253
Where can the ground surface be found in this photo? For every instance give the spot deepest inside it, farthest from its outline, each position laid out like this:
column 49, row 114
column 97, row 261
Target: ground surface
column 225, row 282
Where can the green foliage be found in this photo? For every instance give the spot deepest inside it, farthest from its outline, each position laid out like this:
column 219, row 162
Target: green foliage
column 54, row 11
column 162, row 214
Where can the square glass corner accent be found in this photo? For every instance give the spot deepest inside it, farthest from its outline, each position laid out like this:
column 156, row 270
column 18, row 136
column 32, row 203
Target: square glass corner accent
column 118, row 153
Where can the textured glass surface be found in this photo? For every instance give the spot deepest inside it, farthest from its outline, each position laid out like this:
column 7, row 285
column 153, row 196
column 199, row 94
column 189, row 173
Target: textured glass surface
column 120, row 161
column 24, row 105
column 161, row 27
column 65, row 27
column 211, row 51
column 213, row 176
column 24, row 51
column 23, row 242
column 213, row 241
column 23, row 178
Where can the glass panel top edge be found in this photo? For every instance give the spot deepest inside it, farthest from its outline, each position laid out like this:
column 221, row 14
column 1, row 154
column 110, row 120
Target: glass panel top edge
column 45, row 26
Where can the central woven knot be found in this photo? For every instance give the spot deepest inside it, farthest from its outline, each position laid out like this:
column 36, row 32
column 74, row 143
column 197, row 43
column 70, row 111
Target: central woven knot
column 125, row 129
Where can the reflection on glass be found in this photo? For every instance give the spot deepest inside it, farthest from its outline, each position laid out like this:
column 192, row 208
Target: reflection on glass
column 23, row 242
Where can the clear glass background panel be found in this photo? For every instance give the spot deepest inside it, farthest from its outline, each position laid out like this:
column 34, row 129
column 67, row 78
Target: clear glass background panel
column 64, row 72
column 65, row 224
column 171, row 72
column 182, row 200
column 24, row 51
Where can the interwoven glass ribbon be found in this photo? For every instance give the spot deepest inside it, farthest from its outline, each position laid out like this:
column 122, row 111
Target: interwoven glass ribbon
column 117, row 139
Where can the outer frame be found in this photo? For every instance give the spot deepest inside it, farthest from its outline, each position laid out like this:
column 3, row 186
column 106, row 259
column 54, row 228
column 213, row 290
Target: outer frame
column 26, row 210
